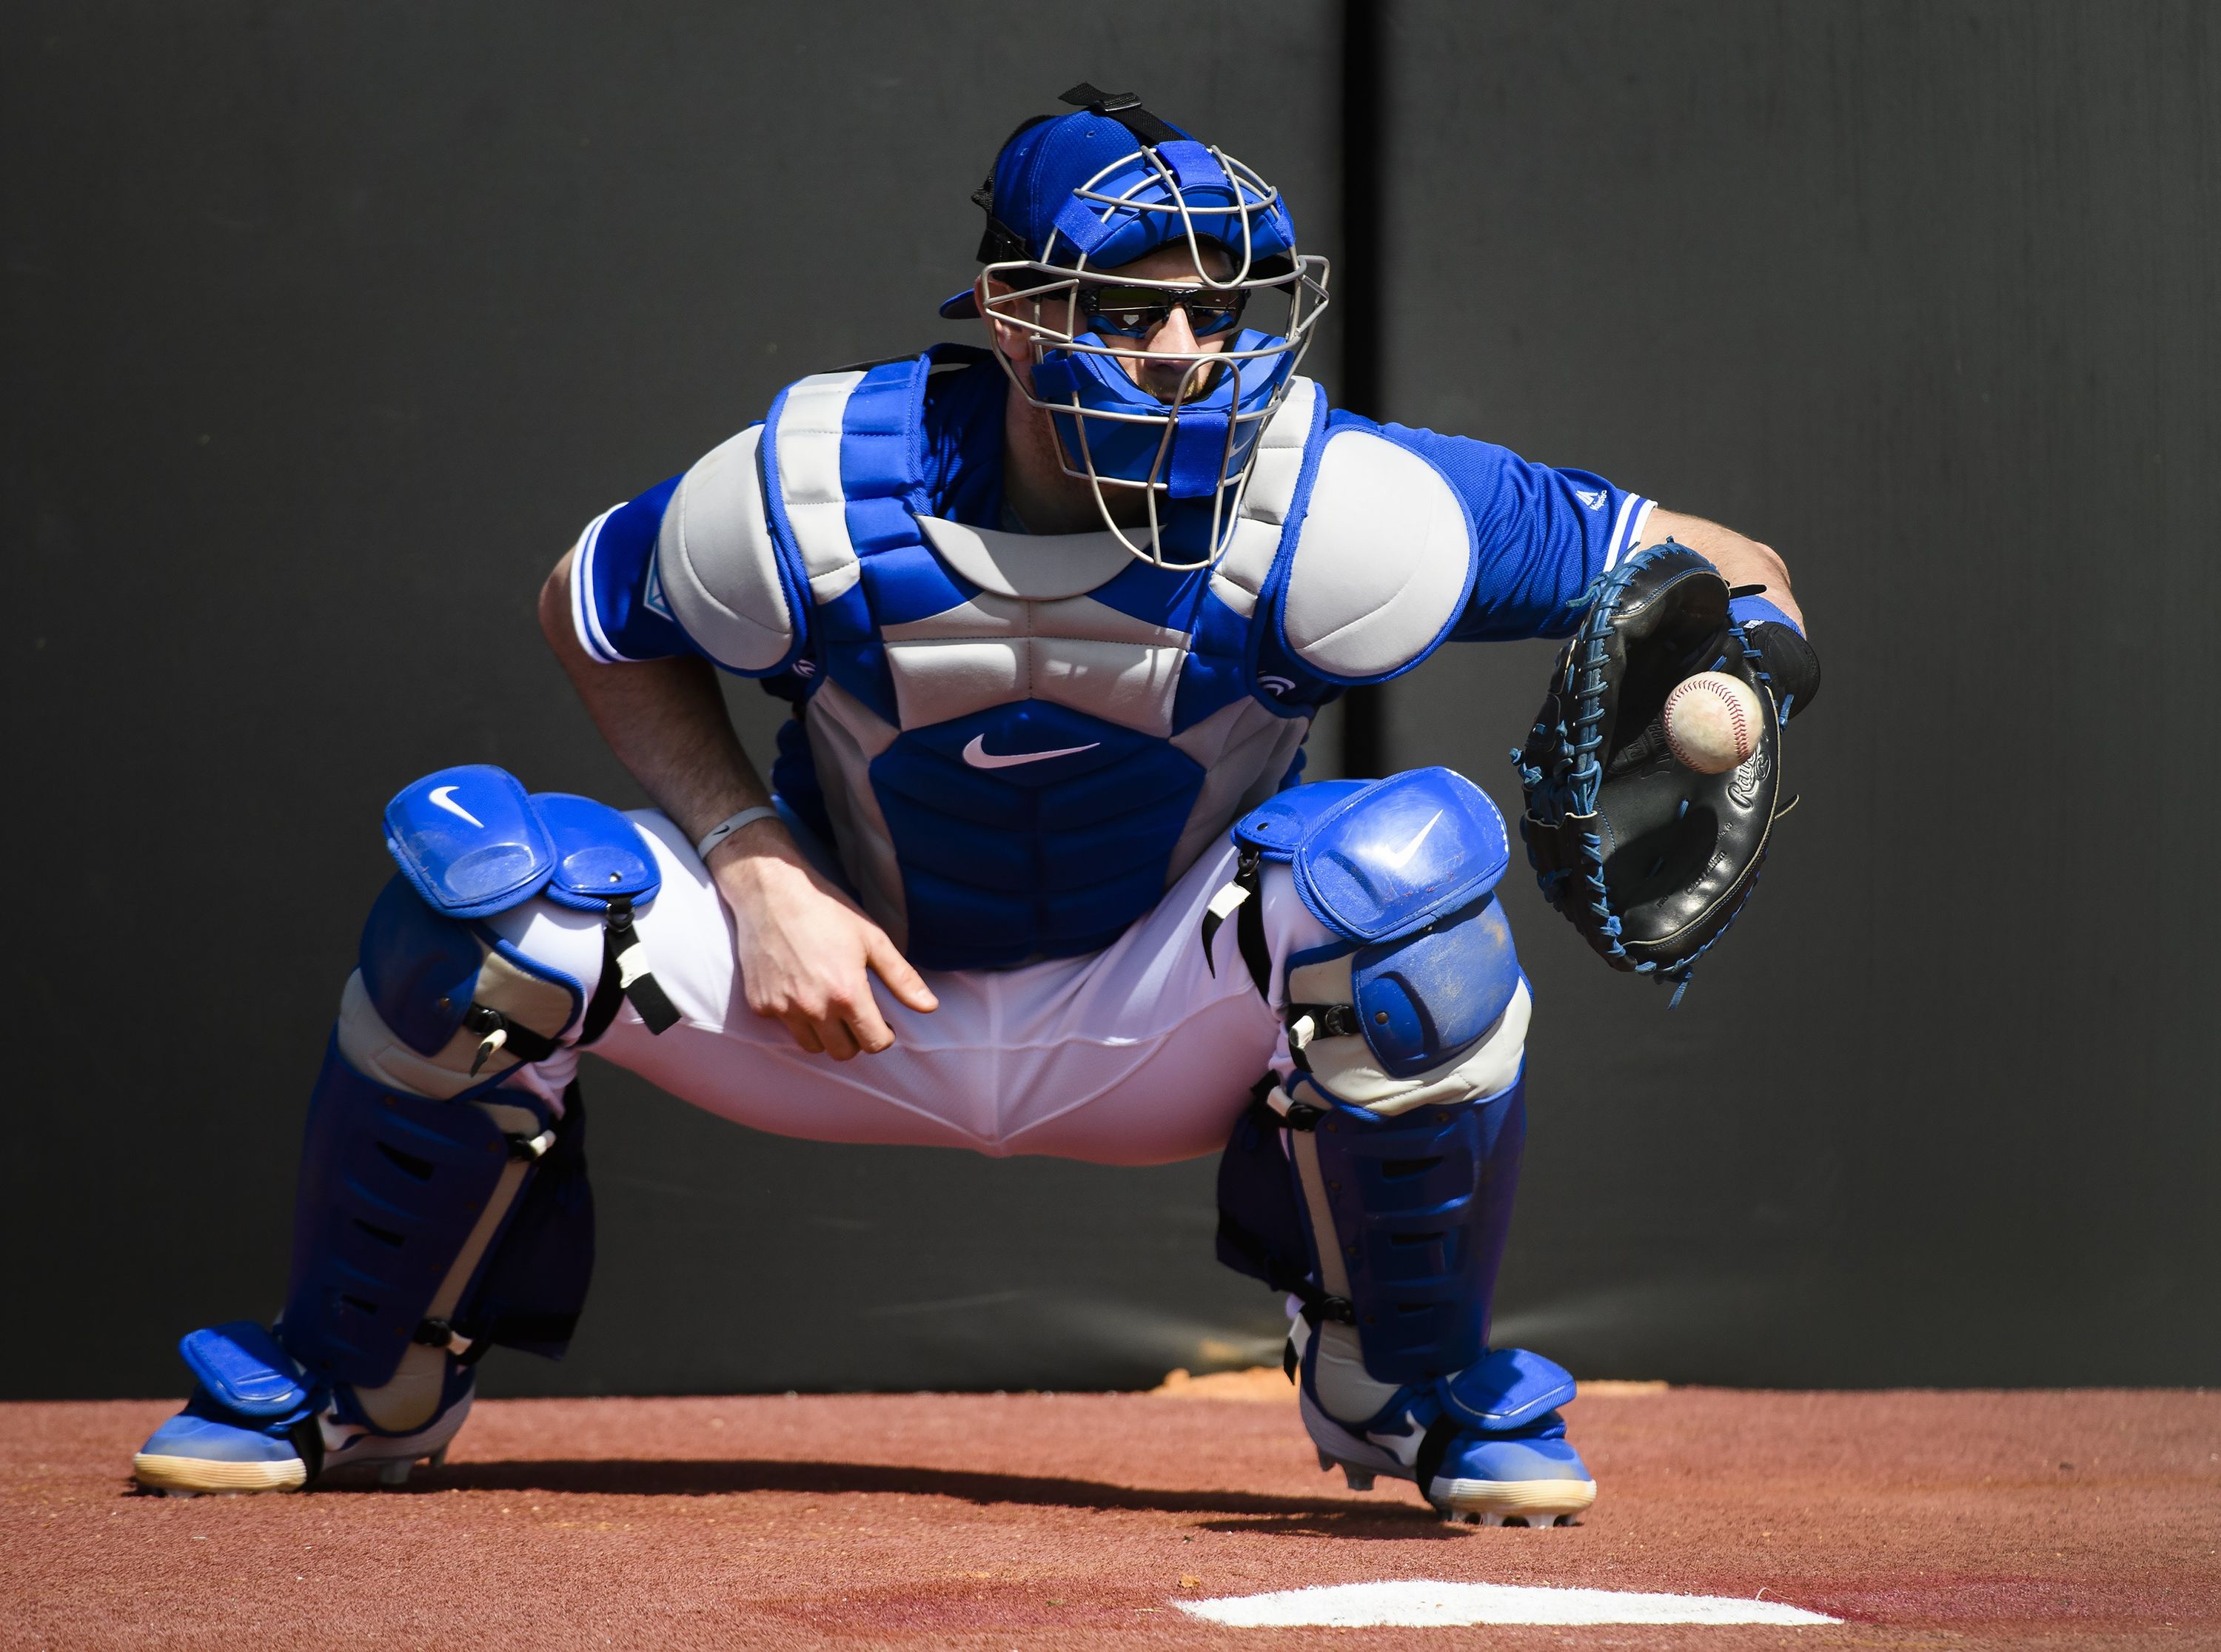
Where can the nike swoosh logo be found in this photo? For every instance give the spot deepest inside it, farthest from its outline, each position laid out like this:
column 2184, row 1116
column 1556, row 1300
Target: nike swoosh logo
column 443, row 797
column 980, row 757
column 1402, row 858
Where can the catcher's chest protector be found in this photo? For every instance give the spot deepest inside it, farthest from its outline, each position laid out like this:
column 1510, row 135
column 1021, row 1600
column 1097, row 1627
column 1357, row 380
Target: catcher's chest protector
column 1016, row 742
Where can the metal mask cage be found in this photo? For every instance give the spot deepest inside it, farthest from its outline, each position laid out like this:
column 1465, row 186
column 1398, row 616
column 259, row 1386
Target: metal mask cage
column 1036, row 282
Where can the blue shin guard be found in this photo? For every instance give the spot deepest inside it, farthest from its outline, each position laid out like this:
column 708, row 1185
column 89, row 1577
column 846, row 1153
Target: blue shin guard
column 452, row 1225
column 1374, row 1181
column 1387, row 1234
column 1403, row 1383
column 442, row 1206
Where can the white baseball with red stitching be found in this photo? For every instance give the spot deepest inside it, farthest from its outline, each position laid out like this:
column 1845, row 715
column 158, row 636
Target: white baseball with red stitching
column 1712, row 723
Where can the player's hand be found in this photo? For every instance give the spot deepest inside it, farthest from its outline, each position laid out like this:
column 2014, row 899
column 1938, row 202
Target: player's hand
column 806, row 953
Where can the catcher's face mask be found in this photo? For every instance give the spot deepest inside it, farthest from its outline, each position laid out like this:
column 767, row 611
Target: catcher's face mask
column 1145, row 409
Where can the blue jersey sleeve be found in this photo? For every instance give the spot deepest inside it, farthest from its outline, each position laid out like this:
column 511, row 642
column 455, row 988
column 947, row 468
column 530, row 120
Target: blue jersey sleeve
column 616, row 607
column 1540, row 535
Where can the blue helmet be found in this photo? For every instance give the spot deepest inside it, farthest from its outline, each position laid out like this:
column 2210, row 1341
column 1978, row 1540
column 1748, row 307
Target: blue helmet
column 1077, row 195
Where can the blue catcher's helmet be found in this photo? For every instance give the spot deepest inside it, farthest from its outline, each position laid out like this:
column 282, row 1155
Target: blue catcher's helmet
column 1076, row 196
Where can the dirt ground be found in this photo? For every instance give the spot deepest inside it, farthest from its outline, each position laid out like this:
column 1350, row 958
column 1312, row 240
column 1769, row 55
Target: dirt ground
column 1946, row 1520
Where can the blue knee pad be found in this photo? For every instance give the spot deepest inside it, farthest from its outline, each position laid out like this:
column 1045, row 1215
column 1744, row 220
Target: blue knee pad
column 1402, row 872
column 470, row 843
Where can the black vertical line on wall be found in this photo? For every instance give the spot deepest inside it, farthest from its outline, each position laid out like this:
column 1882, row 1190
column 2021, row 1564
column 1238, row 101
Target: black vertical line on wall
column 1357, row 292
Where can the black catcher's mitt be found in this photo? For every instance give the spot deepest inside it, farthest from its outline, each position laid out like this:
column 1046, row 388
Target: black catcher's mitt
column 1649, row 860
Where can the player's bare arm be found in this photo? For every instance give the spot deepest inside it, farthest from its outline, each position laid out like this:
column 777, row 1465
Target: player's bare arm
column 807, row 952
column 1742, row 561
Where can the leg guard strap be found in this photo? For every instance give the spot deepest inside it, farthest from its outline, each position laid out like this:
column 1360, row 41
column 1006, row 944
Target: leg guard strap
column 1261, row 1222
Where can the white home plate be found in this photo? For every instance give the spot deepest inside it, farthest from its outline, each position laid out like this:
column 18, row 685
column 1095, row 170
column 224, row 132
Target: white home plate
column 1420, row 1603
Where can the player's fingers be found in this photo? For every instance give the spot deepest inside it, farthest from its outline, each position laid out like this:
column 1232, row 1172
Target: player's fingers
column 869, row 1028
column 835, row 1036
column 904, row 981
column 805, row 1034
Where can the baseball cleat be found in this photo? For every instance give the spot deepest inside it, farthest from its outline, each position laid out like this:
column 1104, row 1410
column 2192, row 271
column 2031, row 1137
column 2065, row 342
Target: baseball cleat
column 1357, row 1479
column 256, row 1423
column 355, row 1451
column 1522, row 1471
column 1540, row 1480
column 197, row 1451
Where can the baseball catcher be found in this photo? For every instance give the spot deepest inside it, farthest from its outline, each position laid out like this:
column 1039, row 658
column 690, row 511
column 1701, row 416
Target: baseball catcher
column 1036, row 871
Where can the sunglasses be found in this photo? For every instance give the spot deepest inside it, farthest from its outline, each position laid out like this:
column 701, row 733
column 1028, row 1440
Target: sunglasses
column 1136, row 312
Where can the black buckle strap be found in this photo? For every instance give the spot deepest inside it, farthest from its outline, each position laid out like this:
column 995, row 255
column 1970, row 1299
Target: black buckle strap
column 528, row 1149
column 497, row 1031
column 1247, row 906
column 625, row 975
column 1316, row 1304
column 1328, row 1021
column 1300, row 1115
column 634, row 979
column 439, row 1333
column 1308, row 1021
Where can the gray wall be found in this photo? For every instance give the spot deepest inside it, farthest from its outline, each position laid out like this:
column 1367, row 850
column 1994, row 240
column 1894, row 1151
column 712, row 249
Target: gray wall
column 1926, row 297
column 327, row 327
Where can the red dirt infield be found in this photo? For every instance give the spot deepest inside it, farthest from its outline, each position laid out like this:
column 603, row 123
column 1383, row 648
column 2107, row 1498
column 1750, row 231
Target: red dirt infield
column 1960, row 1520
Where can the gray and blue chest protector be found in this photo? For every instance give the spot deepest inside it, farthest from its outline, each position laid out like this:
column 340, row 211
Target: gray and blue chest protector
column 1018, row 742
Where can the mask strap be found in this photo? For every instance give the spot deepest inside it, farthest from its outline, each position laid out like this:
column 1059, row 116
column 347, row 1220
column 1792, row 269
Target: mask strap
column 1125, row 107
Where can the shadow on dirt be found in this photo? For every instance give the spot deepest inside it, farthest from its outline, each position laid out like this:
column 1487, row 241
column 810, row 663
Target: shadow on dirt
column 726, row 1477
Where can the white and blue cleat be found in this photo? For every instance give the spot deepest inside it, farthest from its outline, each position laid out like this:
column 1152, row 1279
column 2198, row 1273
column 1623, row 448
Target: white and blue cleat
column 1482, row 1479
column 1486, row 1447
column 256, row 1423
column 1471, row 1479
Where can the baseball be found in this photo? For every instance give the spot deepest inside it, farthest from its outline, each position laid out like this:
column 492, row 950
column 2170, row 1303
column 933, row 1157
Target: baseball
column 1712, row 723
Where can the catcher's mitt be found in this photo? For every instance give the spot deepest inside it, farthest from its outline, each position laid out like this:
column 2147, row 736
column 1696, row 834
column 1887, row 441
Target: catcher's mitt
column 1649, row 860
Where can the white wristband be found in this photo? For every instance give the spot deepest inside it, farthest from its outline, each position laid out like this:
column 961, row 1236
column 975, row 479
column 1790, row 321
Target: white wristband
column 725, row 828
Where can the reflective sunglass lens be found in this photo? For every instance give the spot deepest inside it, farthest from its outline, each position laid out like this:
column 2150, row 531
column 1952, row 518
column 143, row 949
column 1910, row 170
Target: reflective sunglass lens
column 1114, row 298
column 1136, row 311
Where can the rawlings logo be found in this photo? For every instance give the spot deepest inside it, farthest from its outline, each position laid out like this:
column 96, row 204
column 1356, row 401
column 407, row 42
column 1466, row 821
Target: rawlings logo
column 1743, row 788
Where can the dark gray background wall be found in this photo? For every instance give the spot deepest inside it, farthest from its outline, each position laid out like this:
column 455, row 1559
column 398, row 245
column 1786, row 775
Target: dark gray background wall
column 327, row 327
